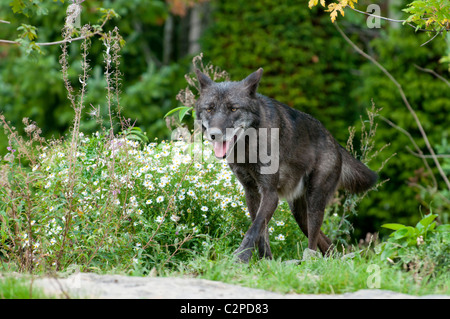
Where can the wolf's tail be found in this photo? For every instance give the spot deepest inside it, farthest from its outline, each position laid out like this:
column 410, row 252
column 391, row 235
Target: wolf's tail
column 355, row 176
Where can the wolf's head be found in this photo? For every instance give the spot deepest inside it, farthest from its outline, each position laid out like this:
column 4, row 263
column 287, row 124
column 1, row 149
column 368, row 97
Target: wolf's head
column 227, row 109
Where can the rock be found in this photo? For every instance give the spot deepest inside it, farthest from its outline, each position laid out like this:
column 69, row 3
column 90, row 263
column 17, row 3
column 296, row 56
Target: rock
column 88, row 285
column 120, row 287
column 309, row 254
column 292, row 262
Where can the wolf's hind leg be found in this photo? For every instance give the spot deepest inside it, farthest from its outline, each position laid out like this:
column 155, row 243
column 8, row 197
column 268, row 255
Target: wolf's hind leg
column 299, row 210
column 322, row 185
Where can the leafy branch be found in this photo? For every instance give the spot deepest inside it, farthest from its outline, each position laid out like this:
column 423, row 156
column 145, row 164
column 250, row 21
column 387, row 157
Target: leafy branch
column 28, row 33
column 430, row 15
column 29, row 7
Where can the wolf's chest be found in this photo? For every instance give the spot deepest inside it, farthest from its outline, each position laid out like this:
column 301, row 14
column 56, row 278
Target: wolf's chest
column 290, row 185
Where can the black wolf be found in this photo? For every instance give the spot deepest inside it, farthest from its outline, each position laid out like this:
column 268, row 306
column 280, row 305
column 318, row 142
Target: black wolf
column 296, row 158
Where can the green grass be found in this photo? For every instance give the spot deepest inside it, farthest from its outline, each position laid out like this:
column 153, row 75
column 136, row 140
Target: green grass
column 19, row 288
column 315, row 276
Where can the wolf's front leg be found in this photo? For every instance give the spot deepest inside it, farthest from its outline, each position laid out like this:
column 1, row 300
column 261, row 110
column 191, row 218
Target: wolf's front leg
column 258, row 230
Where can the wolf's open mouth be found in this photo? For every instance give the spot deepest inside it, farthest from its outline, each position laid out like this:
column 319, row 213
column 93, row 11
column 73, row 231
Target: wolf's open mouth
column 221, row 148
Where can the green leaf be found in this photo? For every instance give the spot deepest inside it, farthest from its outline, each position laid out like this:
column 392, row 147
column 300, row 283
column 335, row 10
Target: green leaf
column 443, row 228
column 17, row 6
column 393, row 226
column 177, row 109
column 135, row 133
column 388, row 251
column 184, row 112
column 108, row 14
column 425, row 222
column 42, row 11
column 28, row 31
column 404, row 232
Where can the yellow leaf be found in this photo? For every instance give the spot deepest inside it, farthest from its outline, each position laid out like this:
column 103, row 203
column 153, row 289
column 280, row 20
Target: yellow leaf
column 351, row 3
column 333, row 16
column 429, row 21
column 312, row 3
column 322, row 2
column 334, row 8
column 331, row 7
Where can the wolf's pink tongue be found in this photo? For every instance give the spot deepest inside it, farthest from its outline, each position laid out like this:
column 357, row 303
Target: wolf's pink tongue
column 221, row 148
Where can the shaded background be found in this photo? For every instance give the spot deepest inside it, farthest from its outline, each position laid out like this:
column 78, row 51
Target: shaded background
column 307, row 65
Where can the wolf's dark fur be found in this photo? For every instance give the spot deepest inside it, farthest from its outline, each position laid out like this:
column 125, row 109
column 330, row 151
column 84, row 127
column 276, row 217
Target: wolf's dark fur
column 312, row 164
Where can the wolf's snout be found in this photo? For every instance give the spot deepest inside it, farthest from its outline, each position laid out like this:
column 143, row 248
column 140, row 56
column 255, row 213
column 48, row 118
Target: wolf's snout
column 215, row 134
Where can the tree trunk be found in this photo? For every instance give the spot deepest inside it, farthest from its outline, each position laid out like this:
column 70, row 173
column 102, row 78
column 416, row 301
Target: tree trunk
column 195, row 29
column 168, row 39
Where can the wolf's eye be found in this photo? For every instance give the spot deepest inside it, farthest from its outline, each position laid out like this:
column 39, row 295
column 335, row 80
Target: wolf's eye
column 209, row 110
column 233, row 109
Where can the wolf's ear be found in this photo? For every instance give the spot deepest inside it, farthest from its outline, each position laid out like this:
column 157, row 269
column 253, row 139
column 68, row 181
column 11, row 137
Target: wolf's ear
column 203, row 79
column 251, row 82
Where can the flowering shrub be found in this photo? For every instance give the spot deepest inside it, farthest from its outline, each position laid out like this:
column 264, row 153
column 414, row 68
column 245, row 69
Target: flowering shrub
column 127, row 205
